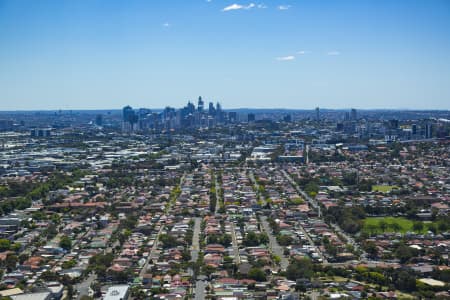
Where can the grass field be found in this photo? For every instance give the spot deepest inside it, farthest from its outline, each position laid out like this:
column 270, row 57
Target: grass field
column 383, row 188
column 373, row 224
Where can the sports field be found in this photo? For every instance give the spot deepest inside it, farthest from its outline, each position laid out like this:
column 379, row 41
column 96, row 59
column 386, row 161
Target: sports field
column 383, row 188
column 373, row 224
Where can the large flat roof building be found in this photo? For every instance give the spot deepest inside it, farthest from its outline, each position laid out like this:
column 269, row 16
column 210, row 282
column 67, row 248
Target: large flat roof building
column 117, row 292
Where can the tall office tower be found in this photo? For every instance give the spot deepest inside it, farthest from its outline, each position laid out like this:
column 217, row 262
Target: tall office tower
column 414, row 128
column 428, row 131
column 251, row 118
column 155, row 121
column 317, row 114
column 219, row 113
column 99, row 120
column 143, row 118
column 190, row 107
column 353, row 114
column 126, row 112
column 211, row 109
column 129, row 118
column 200, row 104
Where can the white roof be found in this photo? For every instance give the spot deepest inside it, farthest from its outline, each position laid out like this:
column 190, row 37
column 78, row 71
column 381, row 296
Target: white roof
column 337, row 296
column 116, row 292
column 32, row 296
column 432, row 282
column 11, row 292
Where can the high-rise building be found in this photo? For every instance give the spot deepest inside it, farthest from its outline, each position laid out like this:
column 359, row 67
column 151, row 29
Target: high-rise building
column 190, row 107
column 428, row 131
column 414, row 129
column 251, row 118
column 211, row 109
column 144, row 118
column 129, row 118
column 353, row 114
column 347, row 116
column 99, row 120
column 200, row 105
column 219, row 113
column 317, row 114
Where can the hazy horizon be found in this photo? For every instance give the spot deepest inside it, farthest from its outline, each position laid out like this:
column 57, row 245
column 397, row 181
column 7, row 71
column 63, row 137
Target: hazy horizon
column 225, row 109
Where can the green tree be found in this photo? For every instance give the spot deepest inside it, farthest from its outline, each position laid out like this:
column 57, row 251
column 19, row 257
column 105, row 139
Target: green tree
column 404, row 253
column 284, row 240
column 257, row 274
column 65, row 242
column 168, row 241
column 49, row 276
column 432, row 228
column 395, row 227
column 442, row 225
column 300, row 268
column 263, row 239
column 418, row 226
column 16, row 247
column 383, row 225
column 405, row 282
column 51, row 231
column 11, row 261
column 251, row 239
column 137, row 293
column 371, row 228
column 69, row 264
column 23, row 257
column 208, row 270
column 4, row 245
column 350, row 178
column 371, row 249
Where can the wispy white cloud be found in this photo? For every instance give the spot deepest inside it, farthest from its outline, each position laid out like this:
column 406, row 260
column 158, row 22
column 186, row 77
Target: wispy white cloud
column 283, row 7
column 166, row 25
column 285, row 58
column 303, row 52
column 333, row 53
column 236, row 6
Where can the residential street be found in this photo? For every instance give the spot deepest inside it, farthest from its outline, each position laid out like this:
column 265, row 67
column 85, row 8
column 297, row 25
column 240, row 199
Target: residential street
column 274, row 246
column 199, row 293
column 237, row 258
column 195, row 239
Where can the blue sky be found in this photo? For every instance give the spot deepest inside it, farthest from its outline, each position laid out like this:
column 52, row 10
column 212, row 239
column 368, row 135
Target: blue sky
column 88, row 54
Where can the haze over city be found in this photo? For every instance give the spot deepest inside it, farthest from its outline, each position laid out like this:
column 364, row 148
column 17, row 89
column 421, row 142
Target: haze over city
column 271, row 54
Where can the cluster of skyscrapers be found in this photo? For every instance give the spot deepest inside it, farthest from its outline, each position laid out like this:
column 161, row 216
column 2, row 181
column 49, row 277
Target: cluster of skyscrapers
column 170, row 118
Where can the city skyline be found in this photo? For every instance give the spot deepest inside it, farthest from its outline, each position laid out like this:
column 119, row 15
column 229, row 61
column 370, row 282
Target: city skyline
column 277, row 54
